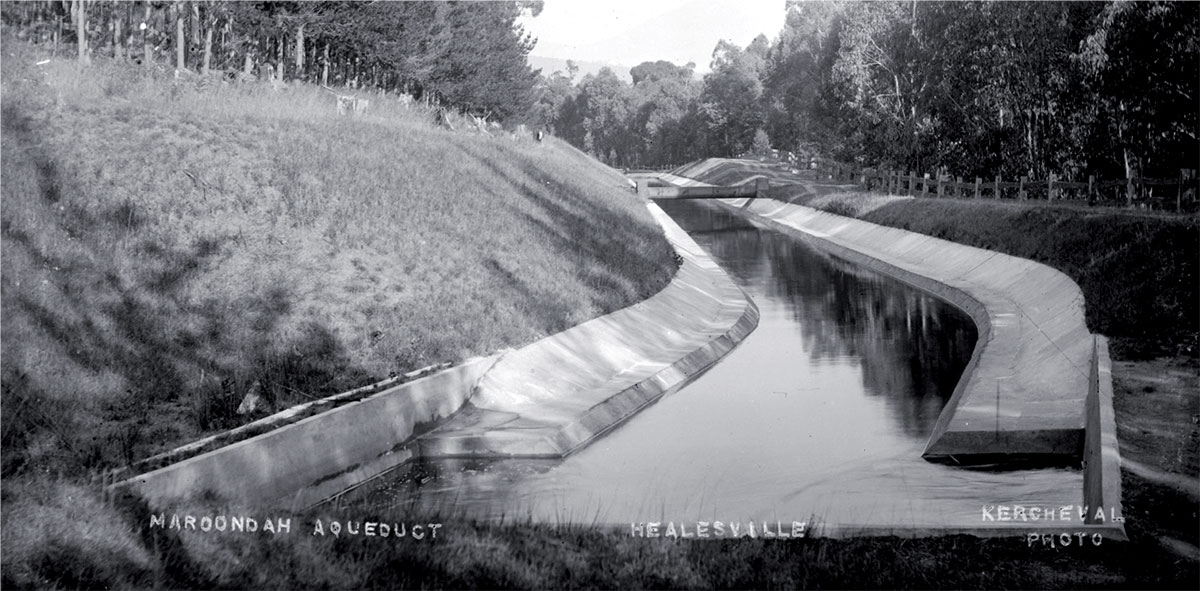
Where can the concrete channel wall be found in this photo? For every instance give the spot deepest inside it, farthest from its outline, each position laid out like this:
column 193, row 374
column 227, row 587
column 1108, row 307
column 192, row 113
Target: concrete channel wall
column 1024, row 390
column 320, row 453
column 557, row 395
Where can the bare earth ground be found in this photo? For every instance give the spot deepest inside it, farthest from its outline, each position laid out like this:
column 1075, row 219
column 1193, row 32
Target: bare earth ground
column 1158, row 424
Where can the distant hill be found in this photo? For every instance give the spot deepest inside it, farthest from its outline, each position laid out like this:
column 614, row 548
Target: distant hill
column 548, row 65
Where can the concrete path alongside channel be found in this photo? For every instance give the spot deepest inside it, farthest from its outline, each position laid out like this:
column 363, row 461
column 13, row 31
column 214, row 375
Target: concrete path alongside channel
column 1024, row 391
column 555, row 396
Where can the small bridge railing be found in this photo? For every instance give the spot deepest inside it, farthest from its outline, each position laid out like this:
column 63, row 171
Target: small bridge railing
column 745, row 190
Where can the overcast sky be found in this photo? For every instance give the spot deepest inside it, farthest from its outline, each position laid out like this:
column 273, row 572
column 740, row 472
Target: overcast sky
column 629, row 32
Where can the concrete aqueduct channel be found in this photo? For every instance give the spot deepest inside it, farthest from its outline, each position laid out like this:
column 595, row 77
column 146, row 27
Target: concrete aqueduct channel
column 1037, row 385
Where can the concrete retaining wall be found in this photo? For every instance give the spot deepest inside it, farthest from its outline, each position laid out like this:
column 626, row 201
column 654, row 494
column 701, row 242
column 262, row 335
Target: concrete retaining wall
column 315, row 458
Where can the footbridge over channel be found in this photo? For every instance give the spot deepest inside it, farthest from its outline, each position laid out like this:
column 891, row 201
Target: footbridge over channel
column 755, row 189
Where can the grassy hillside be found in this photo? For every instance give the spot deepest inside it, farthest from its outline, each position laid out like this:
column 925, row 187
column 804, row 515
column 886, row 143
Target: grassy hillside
column 168, row 244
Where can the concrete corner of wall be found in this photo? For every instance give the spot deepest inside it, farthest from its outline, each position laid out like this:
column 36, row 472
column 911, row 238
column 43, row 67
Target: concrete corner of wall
column 1102, row 452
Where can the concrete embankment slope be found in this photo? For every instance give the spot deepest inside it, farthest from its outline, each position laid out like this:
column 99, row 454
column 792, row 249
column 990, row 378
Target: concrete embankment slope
column 1024, row 391
column 558, row 394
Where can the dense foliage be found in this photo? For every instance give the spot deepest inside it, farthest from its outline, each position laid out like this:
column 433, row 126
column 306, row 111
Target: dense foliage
column 972, row 88
column 469, row 55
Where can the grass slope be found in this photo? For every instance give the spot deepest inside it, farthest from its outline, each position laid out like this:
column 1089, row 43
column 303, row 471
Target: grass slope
column 168, row 244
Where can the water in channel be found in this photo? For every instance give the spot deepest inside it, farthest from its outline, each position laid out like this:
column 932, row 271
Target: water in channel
column 820, row 415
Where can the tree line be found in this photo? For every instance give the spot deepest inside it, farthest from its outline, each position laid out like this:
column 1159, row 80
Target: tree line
column 470, row 55
column 969, row 88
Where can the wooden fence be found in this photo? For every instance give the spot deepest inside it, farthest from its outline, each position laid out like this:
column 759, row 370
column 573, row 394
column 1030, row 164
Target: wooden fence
column 1175, row 194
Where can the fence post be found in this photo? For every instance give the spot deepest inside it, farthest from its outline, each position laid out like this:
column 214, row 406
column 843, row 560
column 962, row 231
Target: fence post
column 925, row 185
column 1021, row 189
column 1185, row 175
column 996, row 188
column 959, row 189
column 1129, row 191
column 941, row 185
column 1091, row 189
column 912, row 184
column 978, row 186
column 1050, row 187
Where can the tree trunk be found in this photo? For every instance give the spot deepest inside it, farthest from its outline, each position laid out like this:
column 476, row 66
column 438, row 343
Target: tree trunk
column 80, row 13
column 207, row 50
column 195, row 25
column 147, row 59
column 300, row 52
column 116, row 38
column 325, row 68
column 180, row 64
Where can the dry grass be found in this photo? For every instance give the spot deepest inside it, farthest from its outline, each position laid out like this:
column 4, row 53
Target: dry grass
column 854, row 204
column 166, row 246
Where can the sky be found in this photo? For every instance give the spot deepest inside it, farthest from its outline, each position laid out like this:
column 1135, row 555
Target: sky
column 629, row 32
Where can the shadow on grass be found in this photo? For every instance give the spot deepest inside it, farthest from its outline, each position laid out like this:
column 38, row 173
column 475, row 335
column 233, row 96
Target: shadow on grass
column 577, row 228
